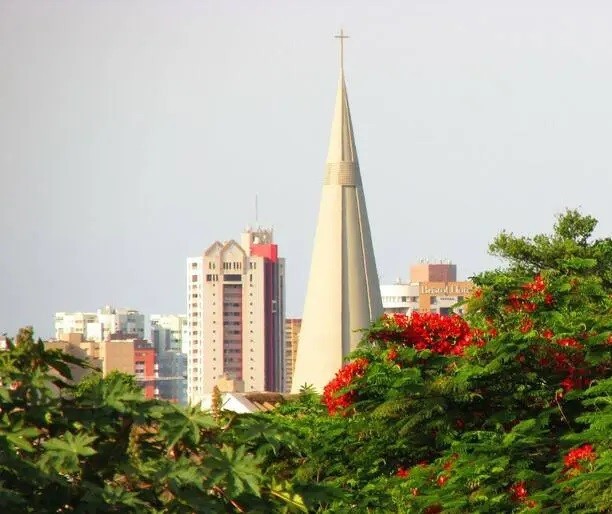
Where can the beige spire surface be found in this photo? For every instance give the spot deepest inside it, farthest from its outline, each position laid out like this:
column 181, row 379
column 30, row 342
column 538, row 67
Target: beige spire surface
column 343, row 294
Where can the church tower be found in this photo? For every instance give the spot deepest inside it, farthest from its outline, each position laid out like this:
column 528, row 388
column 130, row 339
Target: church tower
column 343, row 294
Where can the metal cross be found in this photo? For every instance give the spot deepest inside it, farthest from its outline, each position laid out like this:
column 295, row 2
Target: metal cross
column 341, row 37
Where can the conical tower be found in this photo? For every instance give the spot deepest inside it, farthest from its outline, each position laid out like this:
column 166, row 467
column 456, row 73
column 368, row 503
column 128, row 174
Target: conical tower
column 343, row 294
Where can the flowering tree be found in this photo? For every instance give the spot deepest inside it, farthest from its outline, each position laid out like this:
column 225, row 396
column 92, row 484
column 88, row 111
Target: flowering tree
column 506, row 410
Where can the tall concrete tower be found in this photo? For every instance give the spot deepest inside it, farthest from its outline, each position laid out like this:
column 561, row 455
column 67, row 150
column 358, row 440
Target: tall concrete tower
column 343, row 292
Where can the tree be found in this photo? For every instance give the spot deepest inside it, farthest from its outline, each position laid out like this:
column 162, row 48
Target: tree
column 507, row 410
column 102, row 447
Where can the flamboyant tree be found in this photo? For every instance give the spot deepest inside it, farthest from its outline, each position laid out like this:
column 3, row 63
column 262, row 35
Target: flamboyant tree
column 506, row 410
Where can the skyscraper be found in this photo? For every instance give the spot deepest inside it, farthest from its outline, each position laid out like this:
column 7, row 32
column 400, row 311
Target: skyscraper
column 343, row 293
column 236, row 308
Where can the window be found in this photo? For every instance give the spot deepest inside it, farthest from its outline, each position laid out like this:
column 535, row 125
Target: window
column 194, row 278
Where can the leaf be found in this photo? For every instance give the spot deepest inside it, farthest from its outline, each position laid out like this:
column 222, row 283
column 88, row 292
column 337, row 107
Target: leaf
column 235, row 470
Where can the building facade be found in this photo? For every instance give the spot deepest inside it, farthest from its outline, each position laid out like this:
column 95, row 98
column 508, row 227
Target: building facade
column 236, row 308
column 122, row 353
column 167, row 333
column 100, row 325
column 433, row 287
column 292, row 336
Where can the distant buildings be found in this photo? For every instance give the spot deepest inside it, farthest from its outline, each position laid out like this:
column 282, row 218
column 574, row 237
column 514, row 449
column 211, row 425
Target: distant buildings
column 167, row 333
column 292, row 333
column 433, row 287
column 119, row 353
column 172, row 376
column 100, row 325
column 236, row 307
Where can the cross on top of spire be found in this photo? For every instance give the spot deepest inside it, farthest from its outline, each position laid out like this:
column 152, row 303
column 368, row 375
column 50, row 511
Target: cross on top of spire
column 341, row 37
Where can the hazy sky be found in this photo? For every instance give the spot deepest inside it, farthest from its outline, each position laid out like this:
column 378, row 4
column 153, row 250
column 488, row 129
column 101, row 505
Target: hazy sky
column 129, row 128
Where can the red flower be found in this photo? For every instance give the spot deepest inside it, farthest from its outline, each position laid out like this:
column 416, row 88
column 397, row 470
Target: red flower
column 442, row 479
column 402, row 473
column 547, row 333
column 549, row 299
column 448, row 335
column 333, row 398
column 451, row 461
column 519, row 491
column 392, row 354
column 568, row 341
column 526, row 325
column 578, row 457
column 529, row 307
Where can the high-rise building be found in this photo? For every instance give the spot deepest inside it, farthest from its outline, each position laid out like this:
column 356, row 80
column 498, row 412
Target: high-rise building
column 292, row 336
column 343, row 293
column 236, row 308
column 100, row 325
column 167, row 331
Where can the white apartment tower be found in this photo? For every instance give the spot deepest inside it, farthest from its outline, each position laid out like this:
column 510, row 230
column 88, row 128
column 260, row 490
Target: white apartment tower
column 98, row 326
column 343, row 294
column 235, row 315
column 167, row 331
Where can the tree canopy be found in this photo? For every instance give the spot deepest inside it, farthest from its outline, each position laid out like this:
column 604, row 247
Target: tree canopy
column 508, row 409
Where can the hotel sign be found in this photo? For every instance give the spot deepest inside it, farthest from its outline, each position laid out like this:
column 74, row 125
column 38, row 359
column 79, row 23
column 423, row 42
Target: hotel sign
column 447, row 289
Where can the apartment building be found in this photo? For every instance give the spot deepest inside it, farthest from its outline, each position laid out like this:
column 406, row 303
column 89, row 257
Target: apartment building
column 236, row 308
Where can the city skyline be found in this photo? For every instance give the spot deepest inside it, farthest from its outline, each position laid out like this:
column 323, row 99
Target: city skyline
column 113, row 151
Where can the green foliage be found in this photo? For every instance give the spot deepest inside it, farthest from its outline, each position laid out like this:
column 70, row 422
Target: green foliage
column 488, row 430
column 519, row 420
column 102, row 447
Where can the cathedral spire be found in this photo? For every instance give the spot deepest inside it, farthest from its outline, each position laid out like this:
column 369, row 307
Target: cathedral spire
column 342, row 140
column 343, row 294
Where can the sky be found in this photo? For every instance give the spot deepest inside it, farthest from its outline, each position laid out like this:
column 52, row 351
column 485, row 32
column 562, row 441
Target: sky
column 133, row 134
